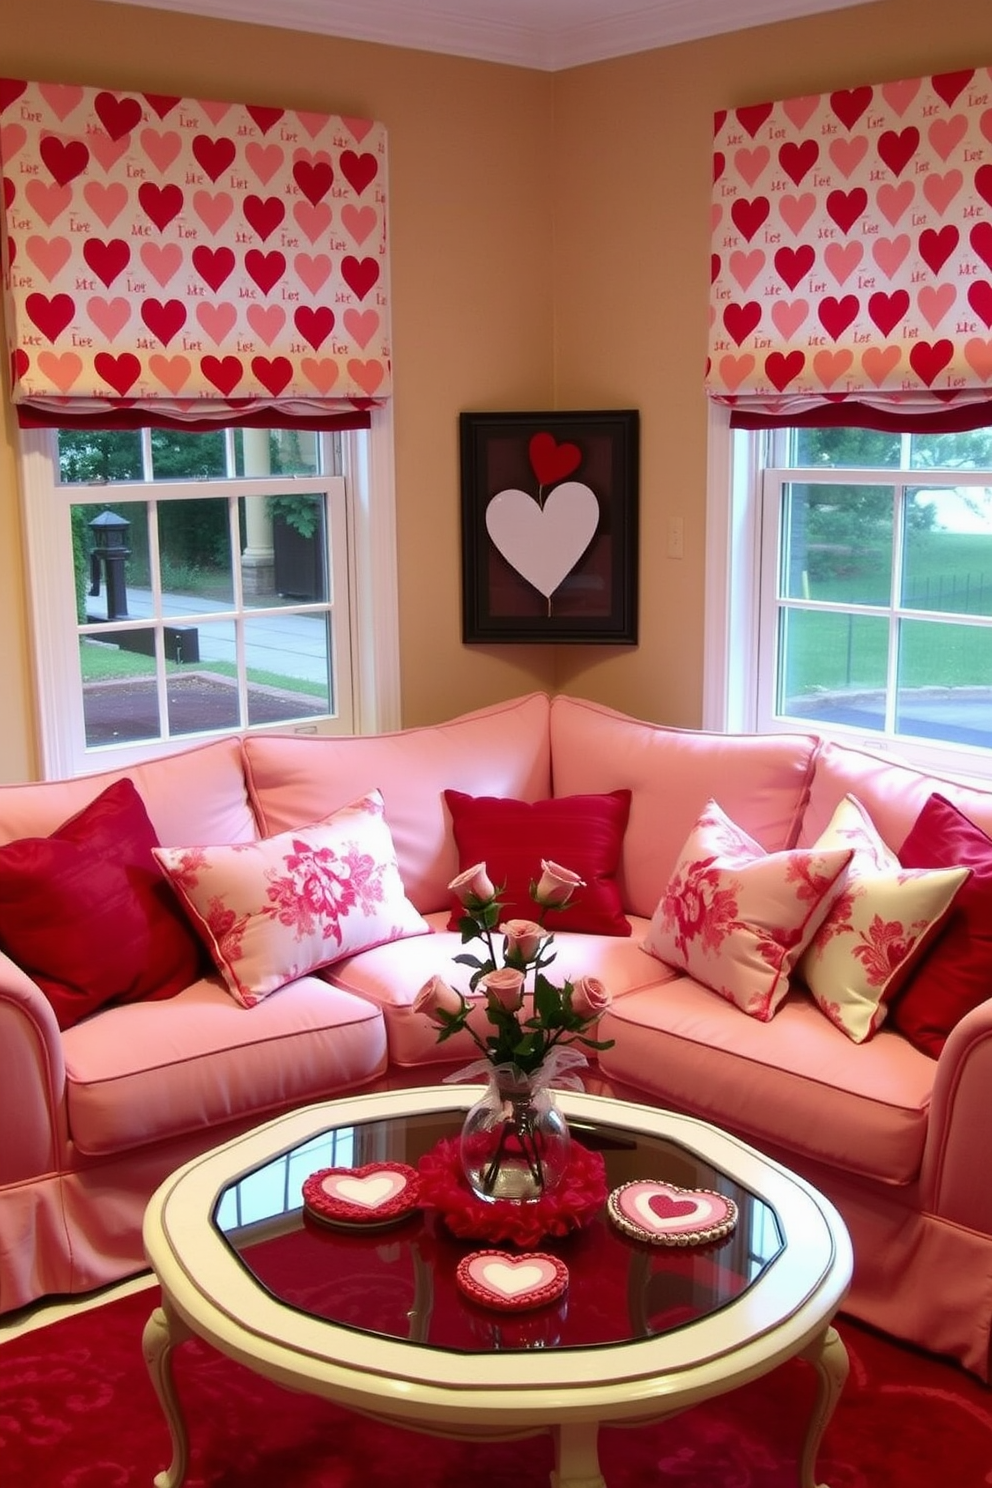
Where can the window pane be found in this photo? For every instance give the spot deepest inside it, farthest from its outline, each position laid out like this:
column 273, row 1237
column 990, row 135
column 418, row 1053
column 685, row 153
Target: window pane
column 99, row 455
column 120, row 703
column 968, row 451
column 844, row 448
column 195, row 554
column 203, row 693
column 949, row 551
column 112, row 545
column 299, row 540
column 177, row 455
column 837, row 543
column 945, row 682
column 832, row 668
column 288, row 666
column 276, row 452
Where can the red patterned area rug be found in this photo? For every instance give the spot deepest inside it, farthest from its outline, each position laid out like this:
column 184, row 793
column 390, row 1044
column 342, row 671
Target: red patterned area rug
column 77, row 1411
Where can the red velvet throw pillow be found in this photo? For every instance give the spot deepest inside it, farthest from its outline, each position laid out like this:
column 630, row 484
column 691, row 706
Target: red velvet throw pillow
column 583, row 833
column 956, row 974
column 88, row 914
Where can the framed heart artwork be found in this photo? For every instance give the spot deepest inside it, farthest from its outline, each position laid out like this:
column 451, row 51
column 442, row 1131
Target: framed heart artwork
column 549, row 526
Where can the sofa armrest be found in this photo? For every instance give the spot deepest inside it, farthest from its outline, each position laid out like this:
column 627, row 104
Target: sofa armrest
column 32, row 1078
column 957, row 1162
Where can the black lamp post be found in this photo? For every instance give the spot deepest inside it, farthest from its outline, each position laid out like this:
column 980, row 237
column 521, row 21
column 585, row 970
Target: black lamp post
column 110, row 549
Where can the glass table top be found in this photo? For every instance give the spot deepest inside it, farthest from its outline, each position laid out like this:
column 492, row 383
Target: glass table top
column 399, row 1282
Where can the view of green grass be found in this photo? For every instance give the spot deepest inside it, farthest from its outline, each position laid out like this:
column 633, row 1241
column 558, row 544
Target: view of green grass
column 102, row 663
column 950, row 572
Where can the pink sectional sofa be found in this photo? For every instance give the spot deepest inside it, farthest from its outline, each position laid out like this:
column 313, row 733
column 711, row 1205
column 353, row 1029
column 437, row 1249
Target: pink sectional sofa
column 94, row 1117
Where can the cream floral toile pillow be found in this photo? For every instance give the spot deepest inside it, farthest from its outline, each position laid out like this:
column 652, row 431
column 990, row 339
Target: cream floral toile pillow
column 273, row 910
column 737, row 918
column 879, row 927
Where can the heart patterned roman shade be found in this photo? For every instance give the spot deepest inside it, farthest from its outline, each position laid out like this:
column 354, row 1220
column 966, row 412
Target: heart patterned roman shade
column 852, row 257
column 176, row 260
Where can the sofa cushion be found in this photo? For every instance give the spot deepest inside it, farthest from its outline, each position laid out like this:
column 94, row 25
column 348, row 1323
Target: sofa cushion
column 738, row 918
column 796, row 1082
column 956, row 975
column 877, row 929
column 762, row 782
column 512, row 838
column 391, row 976
column 273, row 910
column 88, row 915
column 154, row 1071
column 891, row 791
column 497, row 751
column 192, row 796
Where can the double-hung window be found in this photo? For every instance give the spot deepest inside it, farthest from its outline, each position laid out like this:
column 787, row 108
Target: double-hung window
column 187, row 584
column 861, row 565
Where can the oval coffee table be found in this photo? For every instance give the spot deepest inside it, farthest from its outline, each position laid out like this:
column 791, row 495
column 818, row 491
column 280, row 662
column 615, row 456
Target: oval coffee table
column 373, row 1320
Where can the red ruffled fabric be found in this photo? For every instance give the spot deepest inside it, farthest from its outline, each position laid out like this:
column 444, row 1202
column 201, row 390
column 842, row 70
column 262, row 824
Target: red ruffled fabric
column 579, row 1196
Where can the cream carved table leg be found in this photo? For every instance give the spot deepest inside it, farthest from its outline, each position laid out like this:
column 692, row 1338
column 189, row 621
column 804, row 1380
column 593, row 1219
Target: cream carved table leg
column 577, row 1456
column 828, row 1357
column 163, row 1331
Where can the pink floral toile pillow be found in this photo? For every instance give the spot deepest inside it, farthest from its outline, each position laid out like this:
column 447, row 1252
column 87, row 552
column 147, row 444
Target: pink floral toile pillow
column 737, row 918
column 878, row 928
column 273, row 910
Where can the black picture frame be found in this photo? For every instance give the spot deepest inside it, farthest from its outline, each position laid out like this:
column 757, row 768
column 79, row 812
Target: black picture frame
column 512, row 466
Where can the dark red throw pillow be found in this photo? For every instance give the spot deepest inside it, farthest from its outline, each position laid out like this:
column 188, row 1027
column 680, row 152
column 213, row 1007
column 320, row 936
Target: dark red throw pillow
column 583, row 833
column 957, row 973
column 88, row 914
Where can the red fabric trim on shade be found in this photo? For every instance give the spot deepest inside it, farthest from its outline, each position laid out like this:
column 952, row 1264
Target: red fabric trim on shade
column 147, row 418
column 957, row 420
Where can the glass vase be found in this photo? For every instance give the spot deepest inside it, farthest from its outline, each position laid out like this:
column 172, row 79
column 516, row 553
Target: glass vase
column 515, row 1140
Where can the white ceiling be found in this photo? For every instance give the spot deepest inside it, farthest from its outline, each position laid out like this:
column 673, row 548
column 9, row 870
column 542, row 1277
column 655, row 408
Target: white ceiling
column 545, row 34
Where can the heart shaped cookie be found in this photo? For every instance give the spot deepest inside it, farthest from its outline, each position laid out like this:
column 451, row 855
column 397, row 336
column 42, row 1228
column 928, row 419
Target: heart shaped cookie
column 376, row 1194
column 496, row 1278
column 663, row 1214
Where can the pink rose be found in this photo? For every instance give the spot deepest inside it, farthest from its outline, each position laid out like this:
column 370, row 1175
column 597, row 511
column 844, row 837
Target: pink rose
column 589, row 997
column 435, row 995
column 523, row 938
column 556, row 885
column 505, row 987
column 474, row 883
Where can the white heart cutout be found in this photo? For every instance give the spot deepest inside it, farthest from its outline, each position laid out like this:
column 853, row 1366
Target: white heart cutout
column 370, row 1192
column 510, row 1280
column 544, row 544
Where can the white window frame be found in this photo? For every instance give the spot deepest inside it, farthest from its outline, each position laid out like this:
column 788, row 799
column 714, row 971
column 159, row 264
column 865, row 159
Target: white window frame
column 368, row 577
column 738, row 619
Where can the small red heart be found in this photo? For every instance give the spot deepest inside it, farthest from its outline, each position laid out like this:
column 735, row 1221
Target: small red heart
column 358, row 170
column 117, row 115
column 360, row 274
column 274, row 375
column 265, row 268
column 264, row 117
column 666, row 1207
column 213, row 155
column 164, row 321
column 121, row 372
column 314, row 325
column 263, row 215
column 551, row 461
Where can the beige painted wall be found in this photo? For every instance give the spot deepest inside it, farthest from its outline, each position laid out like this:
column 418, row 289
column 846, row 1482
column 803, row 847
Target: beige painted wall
column 566, row 216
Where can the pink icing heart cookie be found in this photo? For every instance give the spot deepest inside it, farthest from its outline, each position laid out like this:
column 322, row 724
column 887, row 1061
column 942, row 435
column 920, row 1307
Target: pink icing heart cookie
column 373, row 1195
column 495, row 1278
column 665, row 1215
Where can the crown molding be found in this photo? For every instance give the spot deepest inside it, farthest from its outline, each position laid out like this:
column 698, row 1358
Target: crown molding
column 547, row 35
